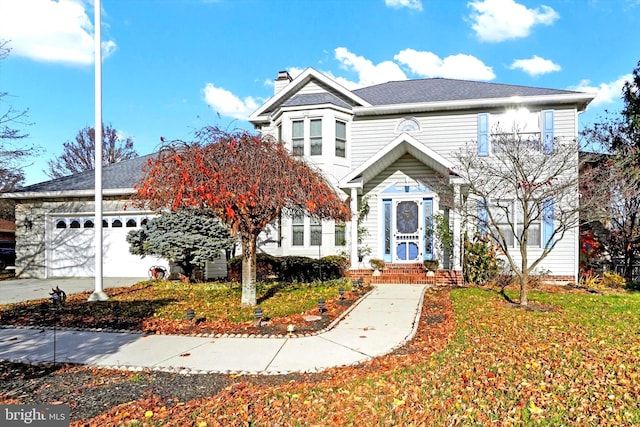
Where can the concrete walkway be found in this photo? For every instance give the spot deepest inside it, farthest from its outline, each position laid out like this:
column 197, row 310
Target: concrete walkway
column 380, row 322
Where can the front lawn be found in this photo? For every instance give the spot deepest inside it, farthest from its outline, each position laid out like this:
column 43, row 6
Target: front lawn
column 161, row 307
column 476, row 360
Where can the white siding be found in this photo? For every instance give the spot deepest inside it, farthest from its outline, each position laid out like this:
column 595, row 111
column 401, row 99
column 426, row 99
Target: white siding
column 406, row 167
column 443, row 133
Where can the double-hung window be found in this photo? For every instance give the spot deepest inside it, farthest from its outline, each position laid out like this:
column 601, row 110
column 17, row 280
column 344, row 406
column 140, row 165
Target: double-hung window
column 315, row 230
column 340, row 236
column 297, row 230
column 341, row 139
column 502, row 213
column 315, row 136
column 297, row 137
column 508, row 216
column 536, row 129
column 534, row 232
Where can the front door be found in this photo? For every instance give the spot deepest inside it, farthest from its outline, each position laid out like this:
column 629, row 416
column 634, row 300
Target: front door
column 407, row 230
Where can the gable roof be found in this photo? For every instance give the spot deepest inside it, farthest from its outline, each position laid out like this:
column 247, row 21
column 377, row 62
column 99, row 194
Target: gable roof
column 384, row 158
column 347, row 97
column 441, row 89
column 117, row 178
column 405, row 96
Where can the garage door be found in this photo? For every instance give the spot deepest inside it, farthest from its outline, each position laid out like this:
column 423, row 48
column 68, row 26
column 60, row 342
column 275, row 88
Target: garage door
column 70, row 248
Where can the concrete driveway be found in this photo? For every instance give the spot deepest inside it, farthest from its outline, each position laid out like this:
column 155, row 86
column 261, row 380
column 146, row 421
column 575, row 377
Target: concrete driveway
column 18, row 290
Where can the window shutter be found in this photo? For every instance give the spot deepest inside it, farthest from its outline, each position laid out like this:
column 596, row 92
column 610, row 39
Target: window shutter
column 547, row 131
column 483, row 134
column 548, row 222
column 483, row 218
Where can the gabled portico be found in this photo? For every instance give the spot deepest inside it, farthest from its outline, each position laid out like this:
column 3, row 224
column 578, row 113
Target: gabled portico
column 405, row 206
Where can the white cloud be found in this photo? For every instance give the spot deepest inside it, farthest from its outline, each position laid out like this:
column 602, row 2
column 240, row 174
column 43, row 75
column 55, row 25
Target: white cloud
column 535, row 66
column 460, row 66
column 50, row 31
column 368, row 72
column 607, row 93
column 499, row 20
column 227, row 104
column 410, row 4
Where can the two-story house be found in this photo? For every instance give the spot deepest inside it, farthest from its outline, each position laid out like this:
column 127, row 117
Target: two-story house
column 391, row 146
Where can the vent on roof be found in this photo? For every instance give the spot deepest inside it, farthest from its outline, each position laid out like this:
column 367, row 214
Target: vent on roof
column 281, row 81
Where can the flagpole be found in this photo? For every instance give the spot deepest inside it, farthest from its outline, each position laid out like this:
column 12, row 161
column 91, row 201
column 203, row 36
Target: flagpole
column 98, row 293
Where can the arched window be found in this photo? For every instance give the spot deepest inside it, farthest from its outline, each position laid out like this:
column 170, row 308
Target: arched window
column 105, row 223
column 88, row 223
column 408, row 125
column 74, row 223
column 116, row 223
column 61, row 223
column 132, row 223
column 144, row 221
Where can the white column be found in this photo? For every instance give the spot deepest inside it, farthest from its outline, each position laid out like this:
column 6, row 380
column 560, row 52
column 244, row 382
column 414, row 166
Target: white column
column 354, row 228
column 457, row 251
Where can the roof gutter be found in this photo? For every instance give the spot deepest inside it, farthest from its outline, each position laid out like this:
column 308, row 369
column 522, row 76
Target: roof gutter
column 581, row 100
column 67, row 193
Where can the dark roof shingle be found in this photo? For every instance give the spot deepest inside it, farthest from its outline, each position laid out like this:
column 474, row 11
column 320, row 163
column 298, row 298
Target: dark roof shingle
column 441, row 89
column 120, row 175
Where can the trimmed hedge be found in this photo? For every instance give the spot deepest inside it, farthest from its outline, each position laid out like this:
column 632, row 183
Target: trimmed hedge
column 291, row 268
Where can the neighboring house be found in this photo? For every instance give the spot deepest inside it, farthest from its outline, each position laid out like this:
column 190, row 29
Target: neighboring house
column 55, row 225
column 393, row 145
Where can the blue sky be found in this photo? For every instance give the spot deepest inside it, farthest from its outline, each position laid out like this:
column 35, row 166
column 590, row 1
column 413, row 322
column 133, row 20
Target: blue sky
column 172, row 66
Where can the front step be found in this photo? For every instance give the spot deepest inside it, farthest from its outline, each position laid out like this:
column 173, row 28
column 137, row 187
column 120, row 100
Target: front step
column 408, row 274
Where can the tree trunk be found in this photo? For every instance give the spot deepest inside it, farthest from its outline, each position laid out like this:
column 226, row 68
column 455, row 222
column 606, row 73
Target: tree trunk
column 524, row 282
column 524, row 299
column 628, row 263
column 249, row 270
column 524, row 272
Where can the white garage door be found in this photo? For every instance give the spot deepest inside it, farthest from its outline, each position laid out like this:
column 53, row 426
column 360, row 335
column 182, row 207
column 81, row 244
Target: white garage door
column 70, row 248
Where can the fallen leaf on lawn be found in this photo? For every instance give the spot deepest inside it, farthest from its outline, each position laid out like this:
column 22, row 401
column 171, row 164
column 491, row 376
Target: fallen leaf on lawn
column 185, row 354
column 534, row 409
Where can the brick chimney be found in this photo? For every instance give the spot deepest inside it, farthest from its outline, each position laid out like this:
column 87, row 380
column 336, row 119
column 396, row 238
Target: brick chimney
column 281, row 81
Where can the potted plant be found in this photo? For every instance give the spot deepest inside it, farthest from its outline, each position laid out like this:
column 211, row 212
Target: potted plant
column 430, row 264
column 377, row 265
column 363, row 251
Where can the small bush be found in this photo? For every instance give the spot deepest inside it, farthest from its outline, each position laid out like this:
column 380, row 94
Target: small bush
column 333, row 267
column 267, row 268
column 590, row 281
column 633, row 285
column 291, row 268
column 613, row 280
column 480, row 260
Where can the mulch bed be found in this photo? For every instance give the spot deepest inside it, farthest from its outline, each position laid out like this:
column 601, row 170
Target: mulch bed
column 100, row 395
column 110, row 316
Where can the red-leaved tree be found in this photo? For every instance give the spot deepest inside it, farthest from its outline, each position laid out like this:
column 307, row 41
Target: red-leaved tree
column 247, row 180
